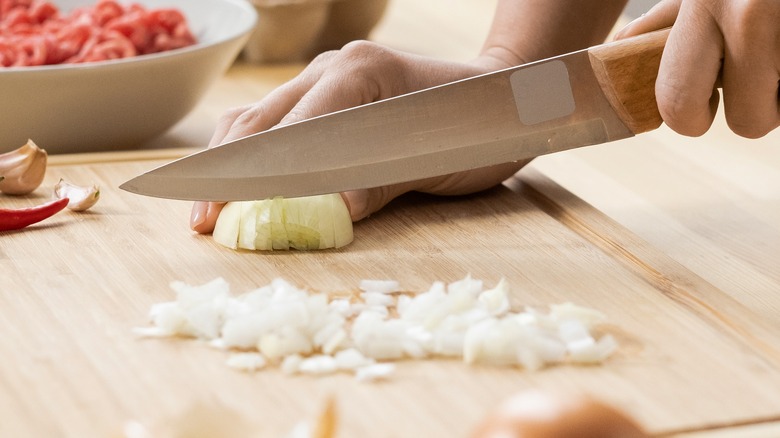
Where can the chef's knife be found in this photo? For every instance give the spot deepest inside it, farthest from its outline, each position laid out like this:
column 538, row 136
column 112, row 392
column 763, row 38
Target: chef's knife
column 588, row 97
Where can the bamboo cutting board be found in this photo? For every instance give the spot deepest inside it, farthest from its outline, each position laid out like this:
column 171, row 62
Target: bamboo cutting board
column 692, row 355
column 680, row 252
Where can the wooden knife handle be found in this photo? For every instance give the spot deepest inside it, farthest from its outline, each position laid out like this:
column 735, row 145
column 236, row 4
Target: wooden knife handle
column 627, row 70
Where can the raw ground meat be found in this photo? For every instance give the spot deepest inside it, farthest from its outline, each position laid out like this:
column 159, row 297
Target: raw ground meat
column 35, row 32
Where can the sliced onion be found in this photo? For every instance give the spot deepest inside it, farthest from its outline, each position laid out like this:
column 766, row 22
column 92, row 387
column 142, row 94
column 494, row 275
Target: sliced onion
column 307, row 223
column 226, row 229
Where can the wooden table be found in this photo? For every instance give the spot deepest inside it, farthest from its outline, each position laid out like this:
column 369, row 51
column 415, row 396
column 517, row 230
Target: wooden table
column 675, row 239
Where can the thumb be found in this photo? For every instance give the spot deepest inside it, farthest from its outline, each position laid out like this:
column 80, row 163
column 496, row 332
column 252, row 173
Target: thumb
column 660, row 16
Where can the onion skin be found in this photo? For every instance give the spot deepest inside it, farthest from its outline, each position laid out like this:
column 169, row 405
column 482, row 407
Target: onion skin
column 536, row 414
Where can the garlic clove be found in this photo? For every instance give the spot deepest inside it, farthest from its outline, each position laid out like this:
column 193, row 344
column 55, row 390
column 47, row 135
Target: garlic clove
column 81, row 197
column 22, row 170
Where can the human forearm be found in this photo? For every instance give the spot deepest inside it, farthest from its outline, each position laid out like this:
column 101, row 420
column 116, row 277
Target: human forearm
column 528, row 30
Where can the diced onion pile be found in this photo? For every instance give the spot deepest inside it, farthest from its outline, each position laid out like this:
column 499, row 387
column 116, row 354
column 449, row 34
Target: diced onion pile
column 313, row 333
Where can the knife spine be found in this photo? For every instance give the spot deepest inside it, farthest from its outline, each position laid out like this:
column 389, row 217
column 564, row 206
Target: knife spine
column 626, row 71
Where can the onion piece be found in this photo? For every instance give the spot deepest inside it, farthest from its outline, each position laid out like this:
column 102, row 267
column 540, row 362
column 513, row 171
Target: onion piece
column 319, row 364
column 306, row 223
column 380, row 286
column 246, row 361
column 374, row 372
column 226, row 230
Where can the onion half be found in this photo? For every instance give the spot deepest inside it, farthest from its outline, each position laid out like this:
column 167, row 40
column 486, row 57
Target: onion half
column 307, row 223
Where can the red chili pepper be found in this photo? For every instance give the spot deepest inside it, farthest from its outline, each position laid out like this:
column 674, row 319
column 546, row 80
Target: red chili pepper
column 17, row 219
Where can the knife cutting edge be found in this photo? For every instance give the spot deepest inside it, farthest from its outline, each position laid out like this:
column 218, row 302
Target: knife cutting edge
column 588, row 97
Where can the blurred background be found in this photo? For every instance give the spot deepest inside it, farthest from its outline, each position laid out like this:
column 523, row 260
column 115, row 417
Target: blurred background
column 636, row 8
column 296, row 30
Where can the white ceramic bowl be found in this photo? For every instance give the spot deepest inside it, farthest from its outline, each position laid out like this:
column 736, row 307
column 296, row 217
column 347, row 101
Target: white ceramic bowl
column 121, row 104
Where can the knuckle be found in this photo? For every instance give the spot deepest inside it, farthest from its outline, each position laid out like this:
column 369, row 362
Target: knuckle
column 361, row 49
column 231, row 114
column 299, row 112
column 229, row 117
column 248, row 116
column 373, row 67
column 356, row 54
column 322, row 59
column 366, row 57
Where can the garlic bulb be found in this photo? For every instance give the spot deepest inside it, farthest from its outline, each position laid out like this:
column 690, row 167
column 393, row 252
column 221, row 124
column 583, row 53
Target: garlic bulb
column 23, row 169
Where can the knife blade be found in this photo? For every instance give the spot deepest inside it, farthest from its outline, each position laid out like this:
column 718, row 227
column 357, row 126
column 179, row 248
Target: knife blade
column 584, row 98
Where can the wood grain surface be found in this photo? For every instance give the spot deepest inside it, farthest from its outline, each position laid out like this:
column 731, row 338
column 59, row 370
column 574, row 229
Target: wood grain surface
column 674, row 239
column 691, row 355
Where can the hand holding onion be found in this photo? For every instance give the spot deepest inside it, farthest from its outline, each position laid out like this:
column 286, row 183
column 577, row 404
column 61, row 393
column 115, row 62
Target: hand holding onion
column 363, row 72
column 355, row 75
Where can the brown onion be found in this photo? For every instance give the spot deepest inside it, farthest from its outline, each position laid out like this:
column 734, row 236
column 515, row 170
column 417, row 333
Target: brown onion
column 536, row 414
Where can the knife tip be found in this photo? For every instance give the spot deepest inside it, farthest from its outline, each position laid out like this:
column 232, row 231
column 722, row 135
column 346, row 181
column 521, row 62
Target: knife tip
column 128, row 186
column 133, row 186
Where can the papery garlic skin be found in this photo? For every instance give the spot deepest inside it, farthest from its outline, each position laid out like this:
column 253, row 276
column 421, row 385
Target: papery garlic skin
column 81, row 197
column 22, row 169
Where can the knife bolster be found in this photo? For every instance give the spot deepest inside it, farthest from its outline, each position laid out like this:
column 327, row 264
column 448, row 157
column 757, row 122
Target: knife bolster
column 627, row 71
